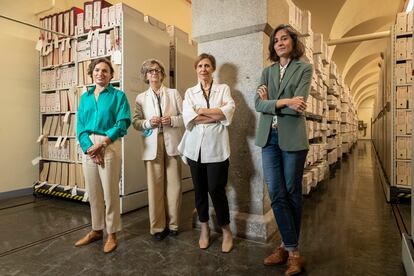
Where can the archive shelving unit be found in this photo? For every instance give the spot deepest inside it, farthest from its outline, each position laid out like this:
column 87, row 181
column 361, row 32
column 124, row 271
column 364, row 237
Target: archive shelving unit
column 138, row 38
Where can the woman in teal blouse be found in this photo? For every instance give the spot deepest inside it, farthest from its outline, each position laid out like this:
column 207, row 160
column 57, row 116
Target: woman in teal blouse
column 103, row 117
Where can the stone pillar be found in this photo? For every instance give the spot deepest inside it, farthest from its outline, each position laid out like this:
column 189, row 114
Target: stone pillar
column 237, row 33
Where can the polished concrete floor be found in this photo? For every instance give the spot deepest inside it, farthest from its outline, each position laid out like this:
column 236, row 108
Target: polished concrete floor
column 348, row 229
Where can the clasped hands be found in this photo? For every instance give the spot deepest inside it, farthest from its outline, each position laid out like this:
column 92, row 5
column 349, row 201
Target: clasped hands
column 97, row 152
column 156, row 121
column 296, row 103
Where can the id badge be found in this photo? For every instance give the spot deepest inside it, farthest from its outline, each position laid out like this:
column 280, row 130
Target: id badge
column 147, row 132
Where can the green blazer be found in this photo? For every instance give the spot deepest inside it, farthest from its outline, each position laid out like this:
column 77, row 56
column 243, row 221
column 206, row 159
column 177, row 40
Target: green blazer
column 291, row 124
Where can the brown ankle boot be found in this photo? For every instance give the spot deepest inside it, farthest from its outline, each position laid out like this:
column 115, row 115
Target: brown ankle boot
column 279, row 256
column 295, row 265
column 90, row 237
column 111, row 243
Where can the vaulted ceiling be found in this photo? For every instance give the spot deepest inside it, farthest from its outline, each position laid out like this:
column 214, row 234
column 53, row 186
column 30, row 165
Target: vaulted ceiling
column 357, row 62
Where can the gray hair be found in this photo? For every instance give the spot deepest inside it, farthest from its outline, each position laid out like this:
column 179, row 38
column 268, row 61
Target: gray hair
column 146, row 67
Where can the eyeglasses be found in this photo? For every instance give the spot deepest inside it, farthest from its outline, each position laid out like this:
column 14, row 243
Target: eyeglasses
column 154, row 71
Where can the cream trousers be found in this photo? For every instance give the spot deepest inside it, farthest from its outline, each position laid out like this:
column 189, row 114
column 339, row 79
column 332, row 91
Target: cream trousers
column 164, row 189
column 102, row 184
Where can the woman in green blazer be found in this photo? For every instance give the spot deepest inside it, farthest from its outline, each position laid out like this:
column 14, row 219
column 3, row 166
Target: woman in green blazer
column 281, row 101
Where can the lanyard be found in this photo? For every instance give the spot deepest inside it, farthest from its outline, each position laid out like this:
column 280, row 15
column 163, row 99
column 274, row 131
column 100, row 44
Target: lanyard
column 205, row 96
column 159, row 104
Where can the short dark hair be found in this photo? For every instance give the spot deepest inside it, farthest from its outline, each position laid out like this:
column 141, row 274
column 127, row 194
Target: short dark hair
column 202, row 56
column 298, row 47
column 96, row 62
column 145, row 67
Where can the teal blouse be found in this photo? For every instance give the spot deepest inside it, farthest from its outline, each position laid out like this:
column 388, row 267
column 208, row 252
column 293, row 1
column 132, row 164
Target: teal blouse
column 110, row 115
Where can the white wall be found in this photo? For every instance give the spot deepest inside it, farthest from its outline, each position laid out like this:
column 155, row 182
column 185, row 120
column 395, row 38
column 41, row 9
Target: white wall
column 19, row 108
column 365, row 113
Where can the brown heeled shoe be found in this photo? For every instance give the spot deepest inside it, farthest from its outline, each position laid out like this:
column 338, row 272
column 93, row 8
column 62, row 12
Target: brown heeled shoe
column 89, row 238
column 204, row 241
column 227, row 244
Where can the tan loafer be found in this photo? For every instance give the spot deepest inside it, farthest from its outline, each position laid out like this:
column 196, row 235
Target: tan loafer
column 279, row 256
column 110, row 244
column 89, row 238
column 295, row 265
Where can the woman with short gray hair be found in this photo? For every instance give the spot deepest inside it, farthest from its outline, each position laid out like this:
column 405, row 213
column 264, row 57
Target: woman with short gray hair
column 158, row 115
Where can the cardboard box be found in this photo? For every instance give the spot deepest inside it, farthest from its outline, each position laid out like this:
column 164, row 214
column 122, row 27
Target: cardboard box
column 401, row 97
column 401, row 122
column 401, row 23
column 400, row 174
column 401, row 148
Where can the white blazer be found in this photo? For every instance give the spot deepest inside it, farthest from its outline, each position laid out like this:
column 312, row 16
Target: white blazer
column 212, row 140
column 146, row 106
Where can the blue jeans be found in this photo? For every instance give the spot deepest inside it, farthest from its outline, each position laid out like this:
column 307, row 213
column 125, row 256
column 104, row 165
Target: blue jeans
column 283, row 172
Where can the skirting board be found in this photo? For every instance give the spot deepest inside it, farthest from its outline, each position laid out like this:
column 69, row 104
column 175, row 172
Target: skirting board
column 16, row 193
column 408, row 254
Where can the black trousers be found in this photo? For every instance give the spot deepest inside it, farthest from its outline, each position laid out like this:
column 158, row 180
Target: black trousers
column 211, row 178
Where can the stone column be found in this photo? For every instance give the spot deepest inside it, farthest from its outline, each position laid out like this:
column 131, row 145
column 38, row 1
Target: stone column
column 237, row 33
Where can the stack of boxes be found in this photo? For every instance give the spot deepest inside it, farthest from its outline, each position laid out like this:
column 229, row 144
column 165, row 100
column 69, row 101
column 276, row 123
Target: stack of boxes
column 402, row 101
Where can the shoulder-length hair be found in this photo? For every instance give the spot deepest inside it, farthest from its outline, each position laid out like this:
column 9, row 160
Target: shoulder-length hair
column 298, row 47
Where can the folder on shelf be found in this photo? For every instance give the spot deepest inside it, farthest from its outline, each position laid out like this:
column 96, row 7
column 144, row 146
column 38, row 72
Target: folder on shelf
column 58, row 175
column 64, row 177
column 118, row 14
column 109, row 41
column 80, row 183
column 79, row 152
column 47, row 125
column 88, row 16
column 73, row 20
column 52, row 173
column 98, row 5
column 59, row 23
column 94, row 46
column 409, row 127
column 80, row 23
column 72, row 174
column 72, row 128
column 81, row 80
column 72, row 150
column 101, row 44
column 45, row 148
column 112, row 16
column 104, row 18
column 53, row 125
column 71, row 98
column 45, row 172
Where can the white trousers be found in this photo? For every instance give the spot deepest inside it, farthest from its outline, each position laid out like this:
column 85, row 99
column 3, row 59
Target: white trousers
column 102, row 184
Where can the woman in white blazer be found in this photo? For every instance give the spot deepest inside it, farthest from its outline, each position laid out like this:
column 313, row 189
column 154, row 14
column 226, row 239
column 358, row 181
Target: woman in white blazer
column 158, row 115
column 208, row 112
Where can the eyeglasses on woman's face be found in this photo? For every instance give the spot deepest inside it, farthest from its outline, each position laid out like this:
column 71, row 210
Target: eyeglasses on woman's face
column 154, row 71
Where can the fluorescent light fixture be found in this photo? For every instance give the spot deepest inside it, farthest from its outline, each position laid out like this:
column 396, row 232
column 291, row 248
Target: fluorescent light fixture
column 409, row 6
